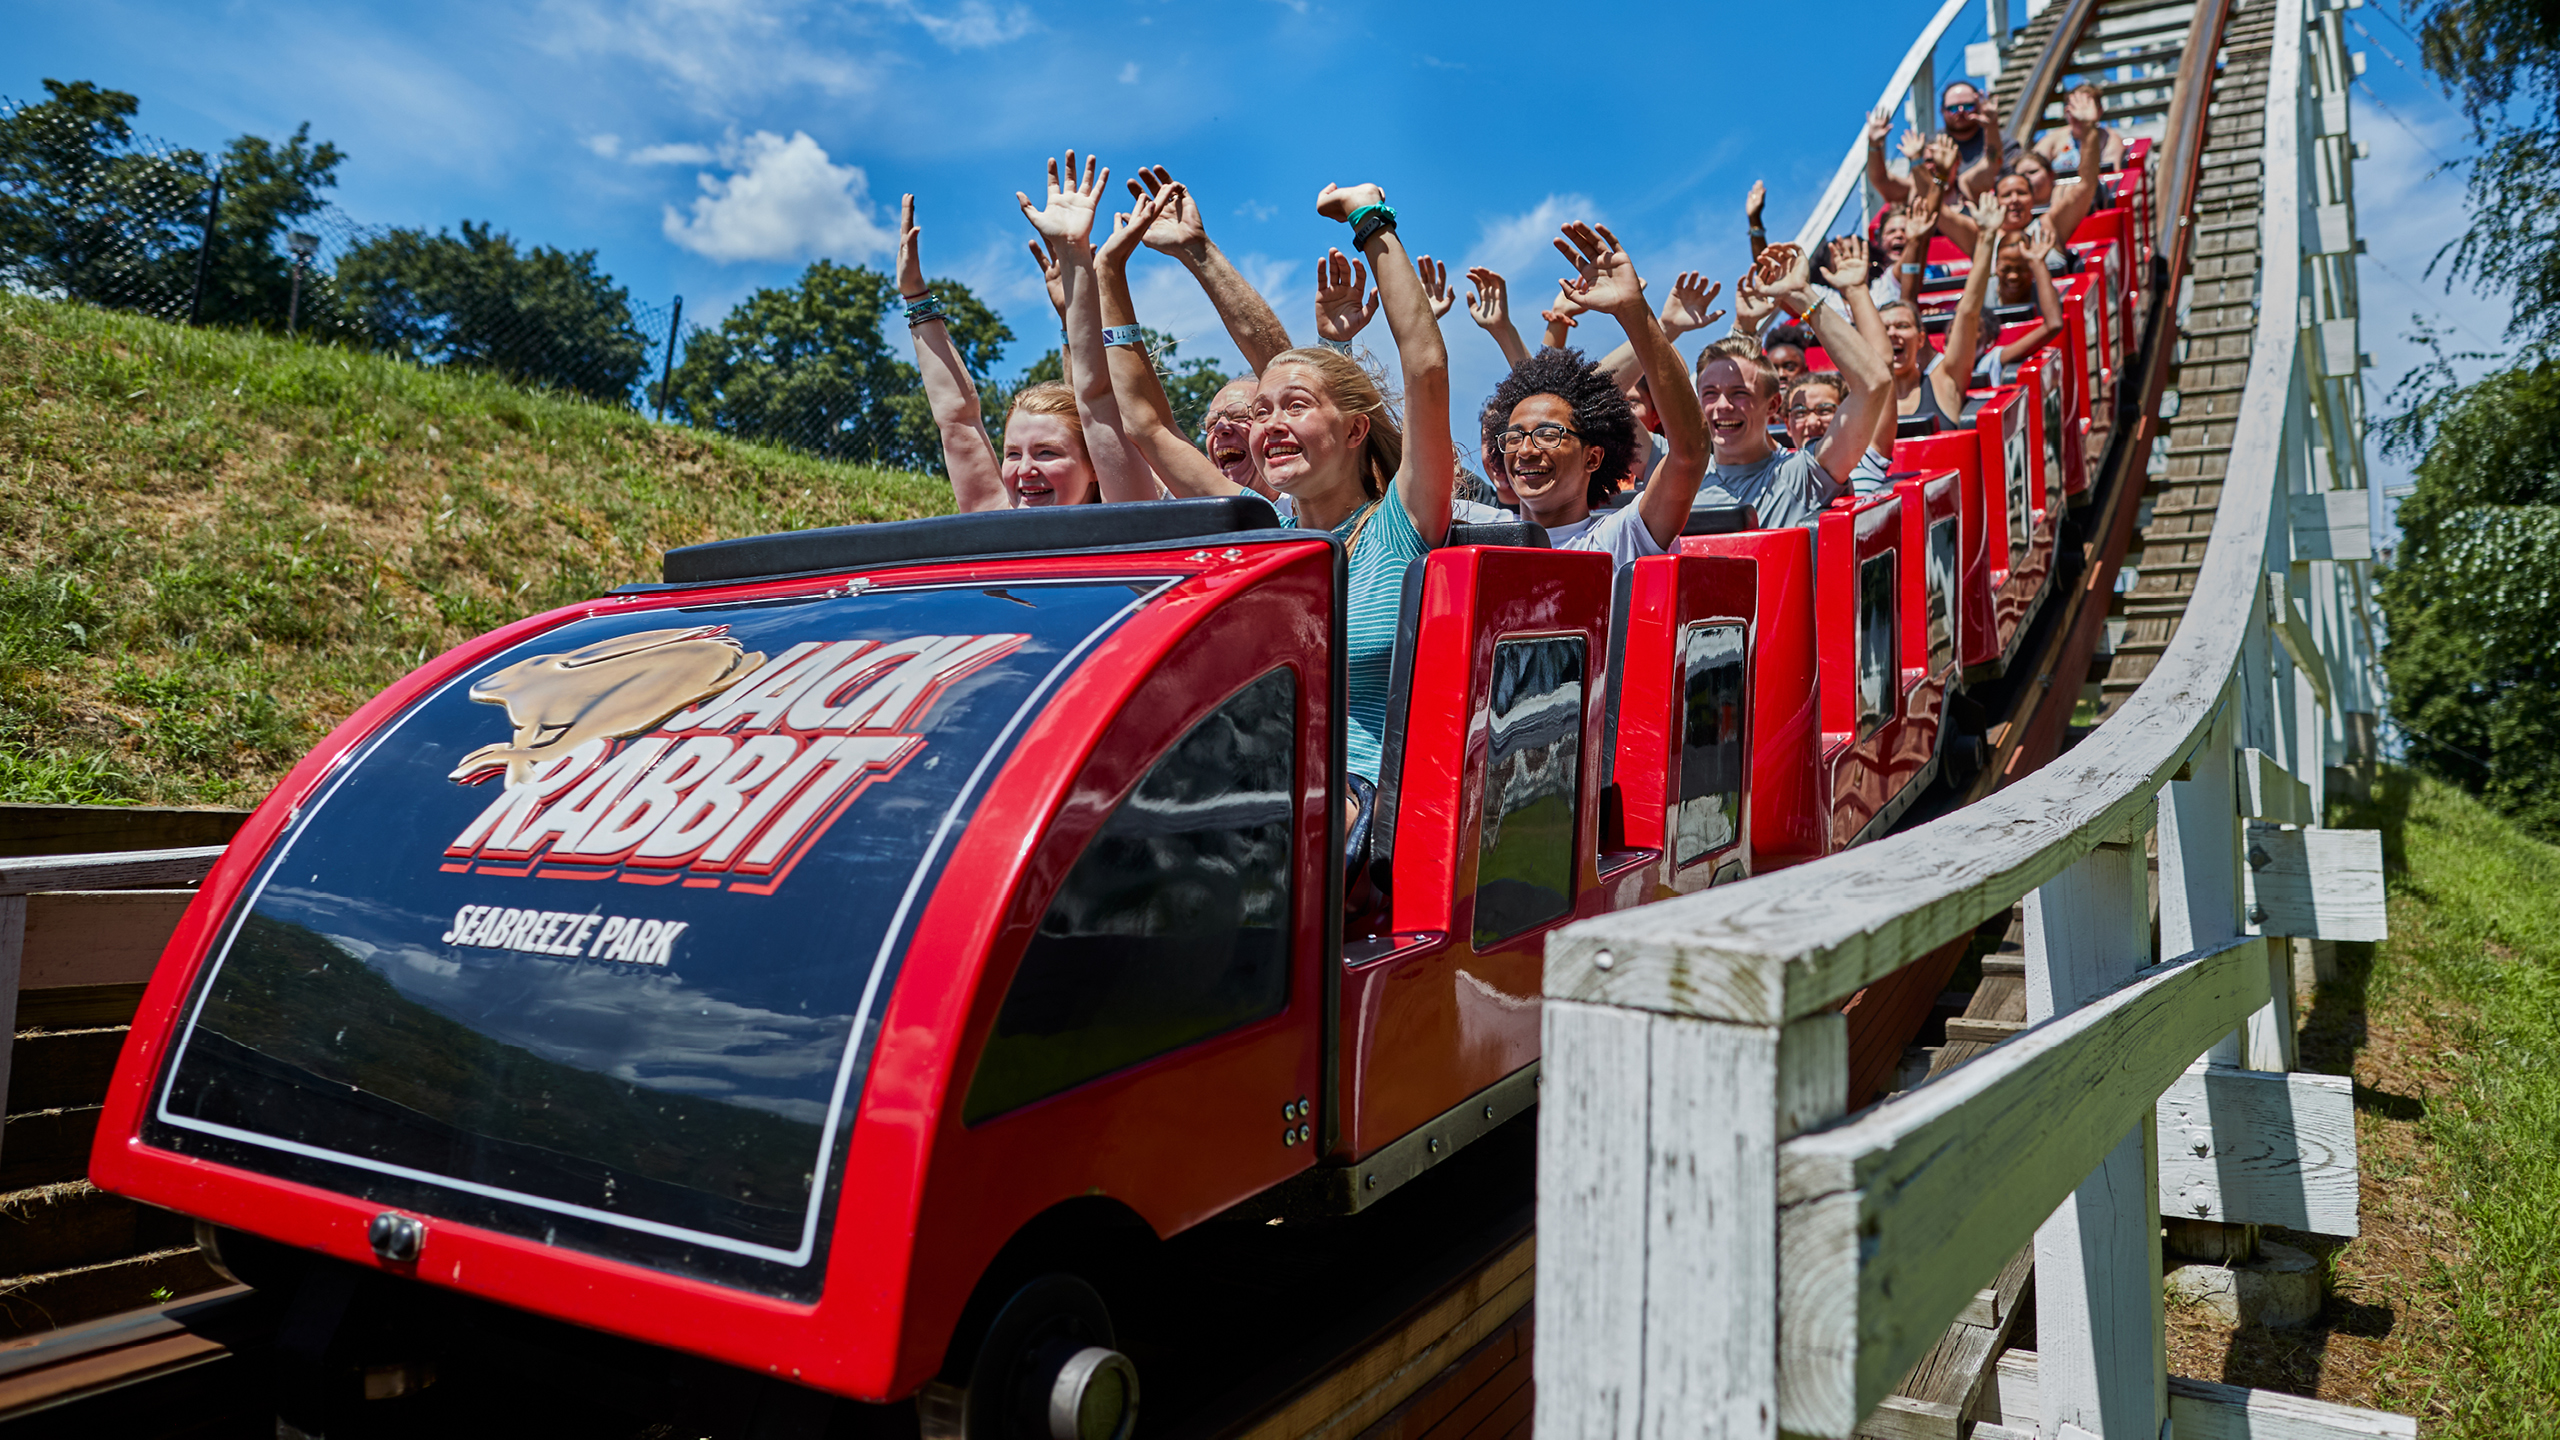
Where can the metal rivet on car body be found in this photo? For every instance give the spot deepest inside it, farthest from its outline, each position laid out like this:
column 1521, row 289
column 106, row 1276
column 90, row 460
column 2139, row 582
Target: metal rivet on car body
column 1604, row 959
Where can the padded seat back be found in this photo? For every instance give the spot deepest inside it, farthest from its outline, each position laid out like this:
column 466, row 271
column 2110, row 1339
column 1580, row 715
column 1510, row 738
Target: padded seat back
column 988, row 532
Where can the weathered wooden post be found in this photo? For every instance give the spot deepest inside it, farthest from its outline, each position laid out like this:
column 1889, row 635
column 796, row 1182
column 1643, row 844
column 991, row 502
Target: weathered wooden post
column 2102, row 1355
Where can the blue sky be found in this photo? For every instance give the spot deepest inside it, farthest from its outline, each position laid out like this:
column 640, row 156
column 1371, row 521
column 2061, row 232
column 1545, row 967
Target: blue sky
column 709, row 147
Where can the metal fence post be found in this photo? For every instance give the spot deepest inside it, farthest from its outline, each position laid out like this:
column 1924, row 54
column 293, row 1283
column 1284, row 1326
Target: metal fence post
column 667, row 370
column 204, row 251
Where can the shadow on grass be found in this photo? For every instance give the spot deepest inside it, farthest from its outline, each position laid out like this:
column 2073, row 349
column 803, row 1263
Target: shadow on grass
column 2333, row 1033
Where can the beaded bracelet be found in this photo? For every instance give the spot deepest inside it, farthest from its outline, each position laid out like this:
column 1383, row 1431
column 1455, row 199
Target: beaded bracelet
column 927, row 306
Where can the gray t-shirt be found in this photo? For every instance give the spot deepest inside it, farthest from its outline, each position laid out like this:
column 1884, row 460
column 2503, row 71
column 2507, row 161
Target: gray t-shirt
column 1620, row 534
column 1790, row 487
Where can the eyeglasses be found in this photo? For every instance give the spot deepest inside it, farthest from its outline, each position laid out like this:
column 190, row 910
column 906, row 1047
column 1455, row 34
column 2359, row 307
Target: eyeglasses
column 1804, row 410
column 1545, row 437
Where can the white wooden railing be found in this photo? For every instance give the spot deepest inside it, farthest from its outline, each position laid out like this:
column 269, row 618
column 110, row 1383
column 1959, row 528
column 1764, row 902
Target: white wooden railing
column 1723, row 1252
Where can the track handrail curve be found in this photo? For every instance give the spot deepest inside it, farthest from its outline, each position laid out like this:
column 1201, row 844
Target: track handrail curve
column 1845, row 179
column 1778, row 947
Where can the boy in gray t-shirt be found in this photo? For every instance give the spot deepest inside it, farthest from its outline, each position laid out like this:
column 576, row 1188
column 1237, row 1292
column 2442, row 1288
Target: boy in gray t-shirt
column 1740, row 395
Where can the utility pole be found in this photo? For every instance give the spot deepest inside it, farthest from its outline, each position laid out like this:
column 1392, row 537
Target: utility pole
column 666, row 373
column 304, row 245
column 204, row 252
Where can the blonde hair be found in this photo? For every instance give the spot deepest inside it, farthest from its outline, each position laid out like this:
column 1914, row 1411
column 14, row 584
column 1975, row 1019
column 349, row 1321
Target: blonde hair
column 1355, row 391
column 1050, row 397
column 1744, row 352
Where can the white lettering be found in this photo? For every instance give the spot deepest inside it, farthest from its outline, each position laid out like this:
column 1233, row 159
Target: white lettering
column 695, row 717
column 571, row 818
column 517, row 803
column 711, row 804
column 769, row 799
column 761, row 704
column 853, row 758
column 892, row 702
column 646, row 804
column 612, row 927
column 660, row 952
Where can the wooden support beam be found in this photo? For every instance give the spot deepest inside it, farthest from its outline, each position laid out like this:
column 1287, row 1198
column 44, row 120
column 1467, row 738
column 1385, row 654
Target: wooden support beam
column 2244, row 1147
column 2300, row 645
column 2203, row 1410
column 1882, row 1235
column 2268, row 792
column 2332, row 525
column 1657, row 1144
column 113, row 871
column 2098, row 1308
column 2317, row 884
column 98, row 937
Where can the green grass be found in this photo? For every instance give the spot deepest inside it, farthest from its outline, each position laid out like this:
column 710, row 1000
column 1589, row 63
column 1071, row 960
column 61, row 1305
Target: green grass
column 2475, row 948
column 217, row 544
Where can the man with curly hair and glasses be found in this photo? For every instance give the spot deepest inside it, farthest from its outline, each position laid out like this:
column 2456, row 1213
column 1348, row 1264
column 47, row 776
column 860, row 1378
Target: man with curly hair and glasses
column 1567, row 434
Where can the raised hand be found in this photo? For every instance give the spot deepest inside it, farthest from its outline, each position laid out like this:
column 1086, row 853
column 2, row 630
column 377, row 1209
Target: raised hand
column 1177, row 228
column 1334, row 202
column 1607, row 281
column 1987, row 211
column 910, row 261
column 1784, row 274
column 1913, row 147
column 1341, row 283
column 2037, row 241
column 1879, row 125
column 1944, row 156
column 1051, row 273
column 1128, row 229
column 1435, row 284
column 1752, row 306
column 1066, row 221
column 1758, row 199
column 1849, row 262
column 1686, row 310
column 1490, row 303
column 1989, row 110
column 2080, row 109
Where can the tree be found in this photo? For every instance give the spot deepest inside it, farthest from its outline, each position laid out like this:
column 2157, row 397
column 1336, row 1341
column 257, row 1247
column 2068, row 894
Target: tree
column 265, row 188
column 2473, row 596
column 2500, row 59
column 542, row 316
column 86, row 215
column 1188, row 386
column 90, row 212
column 810, row 367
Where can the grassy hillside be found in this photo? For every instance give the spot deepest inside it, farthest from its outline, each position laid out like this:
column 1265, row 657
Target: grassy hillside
column 2441, row 1308
column 216, row 545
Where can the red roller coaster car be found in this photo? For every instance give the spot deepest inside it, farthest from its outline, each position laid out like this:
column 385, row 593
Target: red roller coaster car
column 742, row 964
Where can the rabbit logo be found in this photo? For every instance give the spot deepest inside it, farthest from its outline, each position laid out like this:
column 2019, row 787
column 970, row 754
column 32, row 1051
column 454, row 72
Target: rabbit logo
column 607, row 690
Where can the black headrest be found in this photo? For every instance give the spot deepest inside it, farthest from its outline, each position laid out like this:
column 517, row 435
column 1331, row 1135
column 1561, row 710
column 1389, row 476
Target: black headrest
column 1519, row 535
column 1721, row 520
column 988, row 532
column 1912, row 427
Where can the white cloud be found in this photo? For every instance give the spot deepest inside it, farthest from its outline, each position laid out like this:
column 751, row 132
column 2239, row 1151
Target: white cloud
column 1256, row 210
column 1129, row 73
column 975, row 25
column 677, row 154
column 714, row 52
column 782, row 199
column 1521, row 248
column 607, row 145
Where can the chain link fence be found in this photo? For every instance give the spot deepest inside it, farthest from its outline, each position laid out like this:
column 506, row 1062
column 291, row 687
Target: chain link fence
column 93, row 212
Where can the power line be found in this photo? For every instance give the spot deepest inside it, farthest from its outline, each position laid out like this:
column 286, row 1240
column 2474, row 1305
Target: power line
column 2403, row 124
